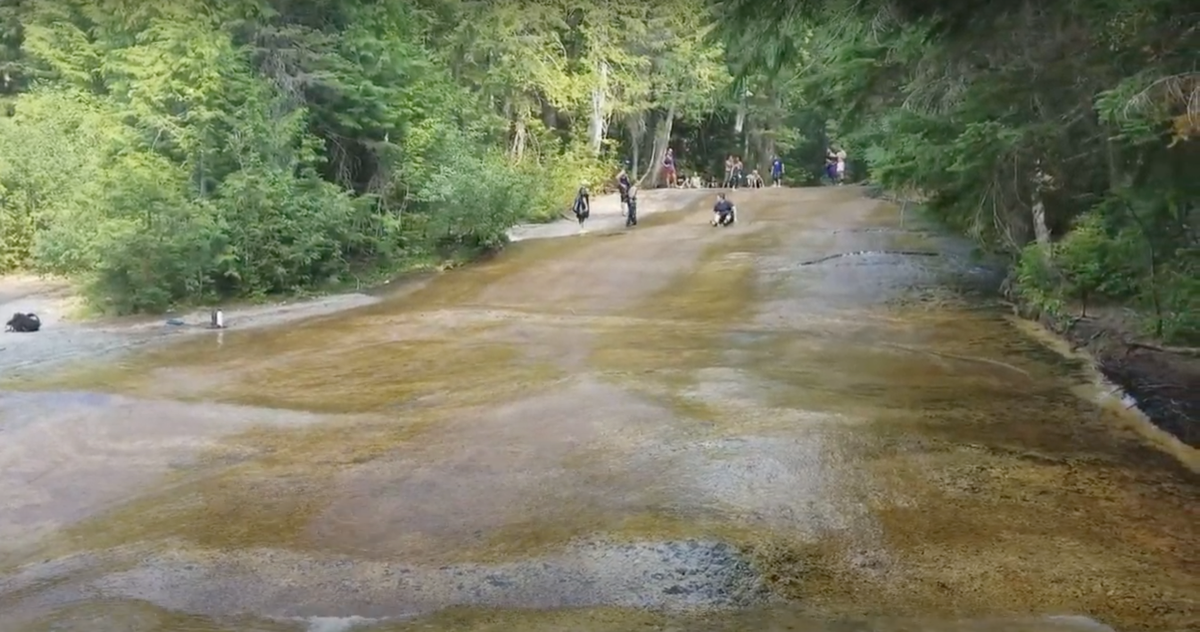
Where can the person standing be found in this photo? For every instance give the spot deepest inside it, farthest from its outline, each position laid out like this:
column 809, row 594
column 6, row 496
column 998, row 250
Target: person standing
column 728, row 181
column 583, row 205
column 831, row 165
column 840, row 165
column 631, row 216
column 737, row 172
column 669, row 168
column 623, row 187
column 776, row 171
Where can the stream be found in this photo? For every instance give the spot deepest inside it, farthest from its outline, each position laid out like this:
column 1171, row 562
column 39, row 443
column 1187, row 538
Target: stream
column 816, row 419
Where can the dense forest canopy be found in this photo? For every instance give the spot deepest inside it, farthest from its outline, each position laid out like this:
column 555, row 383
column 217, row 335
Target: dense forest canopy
column 1063, row 132
column 170, row 151
column 167, row 152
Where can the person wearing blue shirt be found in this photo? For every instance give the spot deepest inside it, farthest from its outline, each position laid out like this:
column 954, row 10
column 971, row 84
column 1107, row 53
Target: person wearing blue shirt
column 724, row 212
column 776, row 172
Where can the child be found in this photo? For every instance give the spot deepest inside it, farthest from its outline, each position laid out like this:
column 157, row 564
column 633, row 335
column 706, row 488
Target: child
column 583, row 205
column 756, row 181
column 623, row 186
column 631, row 217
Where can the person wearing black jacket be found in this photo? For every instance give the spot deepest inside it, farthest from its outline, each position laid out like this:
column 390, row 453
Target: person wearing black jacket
column 623, row 186
column 724, row 211
column 631, row 205
column 583, row 205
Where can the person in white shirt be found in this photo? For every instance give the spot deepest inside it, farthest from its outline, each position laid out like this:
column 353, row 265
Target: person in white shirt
column 840, row 169
column 755, row 181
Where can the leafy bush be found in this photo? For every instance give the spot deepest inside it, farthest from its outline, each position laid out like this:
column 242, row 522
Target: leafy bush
column 1037, row 281
column 556, row 179
column 474, row 200
column 172, row 156
column 1082, row 259
column 1181, row 303
column 1010, row 141
column 54, row 146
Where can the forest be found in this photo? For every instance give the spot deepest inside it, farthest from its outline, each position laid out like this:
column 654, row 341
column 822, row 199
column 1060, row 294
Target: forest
column 166, row 153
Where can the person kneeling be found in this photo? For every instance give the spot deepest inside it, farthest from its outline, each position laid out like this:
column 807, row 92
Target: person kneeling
column 724, row 212
column 755, row 180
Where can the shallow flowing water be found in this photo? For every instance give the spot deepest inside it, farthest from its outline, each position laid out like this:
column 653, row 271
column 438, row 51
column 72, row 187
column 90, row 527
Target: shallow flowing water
column 671, row 428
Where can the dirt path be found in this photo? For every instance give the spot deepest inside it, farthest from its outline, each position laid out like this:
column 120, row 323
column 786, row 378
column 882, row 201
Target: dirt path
column 671, row 427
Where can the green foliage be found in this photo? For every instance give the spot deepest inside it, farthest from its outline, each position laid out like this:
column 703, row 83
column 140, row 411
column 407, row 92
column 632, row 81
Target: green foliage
column 1038, row 280
column 50, row 152
column 475, row 198
column 1084, row 258
column 1064, row 121
column 194, row 150
column 554, row 182
column 1181, row 291
column 197, row 150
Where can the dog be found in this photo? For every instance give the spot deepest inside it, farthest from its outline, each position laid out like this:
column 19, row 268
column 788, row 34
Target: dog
column 23, row 323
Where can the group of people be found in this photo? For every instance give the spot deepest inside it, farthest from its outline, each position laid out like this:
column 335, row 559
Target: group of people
column 582, row 208
column 724, row 211
column 736, row 176
column 835, row 164
column 678, row 180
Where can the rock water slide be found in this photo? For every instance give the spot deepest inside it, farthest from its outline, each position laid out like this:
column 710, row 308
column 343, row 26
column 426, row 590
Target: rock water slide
column 795, row 423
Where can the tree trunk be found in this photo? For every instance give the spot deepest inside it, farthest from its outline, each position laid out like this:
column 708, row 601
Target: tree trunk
column 549, row 116
column 520, row 132
column 637, row 154
column 662, row 139
column 769, row 138
column 648, row 141
column 1040, row 230
column 637, row 135
column 597, row 126
column 763, row 151
column 1155, row 298
column 201, row 175
column 769, row 150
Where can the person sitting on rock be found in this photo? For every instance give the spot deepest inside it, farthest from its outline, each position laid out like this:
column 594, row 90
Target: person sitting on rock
column 724, row 211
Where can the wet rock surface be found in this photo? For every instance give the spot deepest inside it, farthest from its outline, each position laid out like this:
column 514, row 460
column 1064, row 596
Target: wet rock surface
column 62, row 341
column 679, row 575
column 665, row 428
